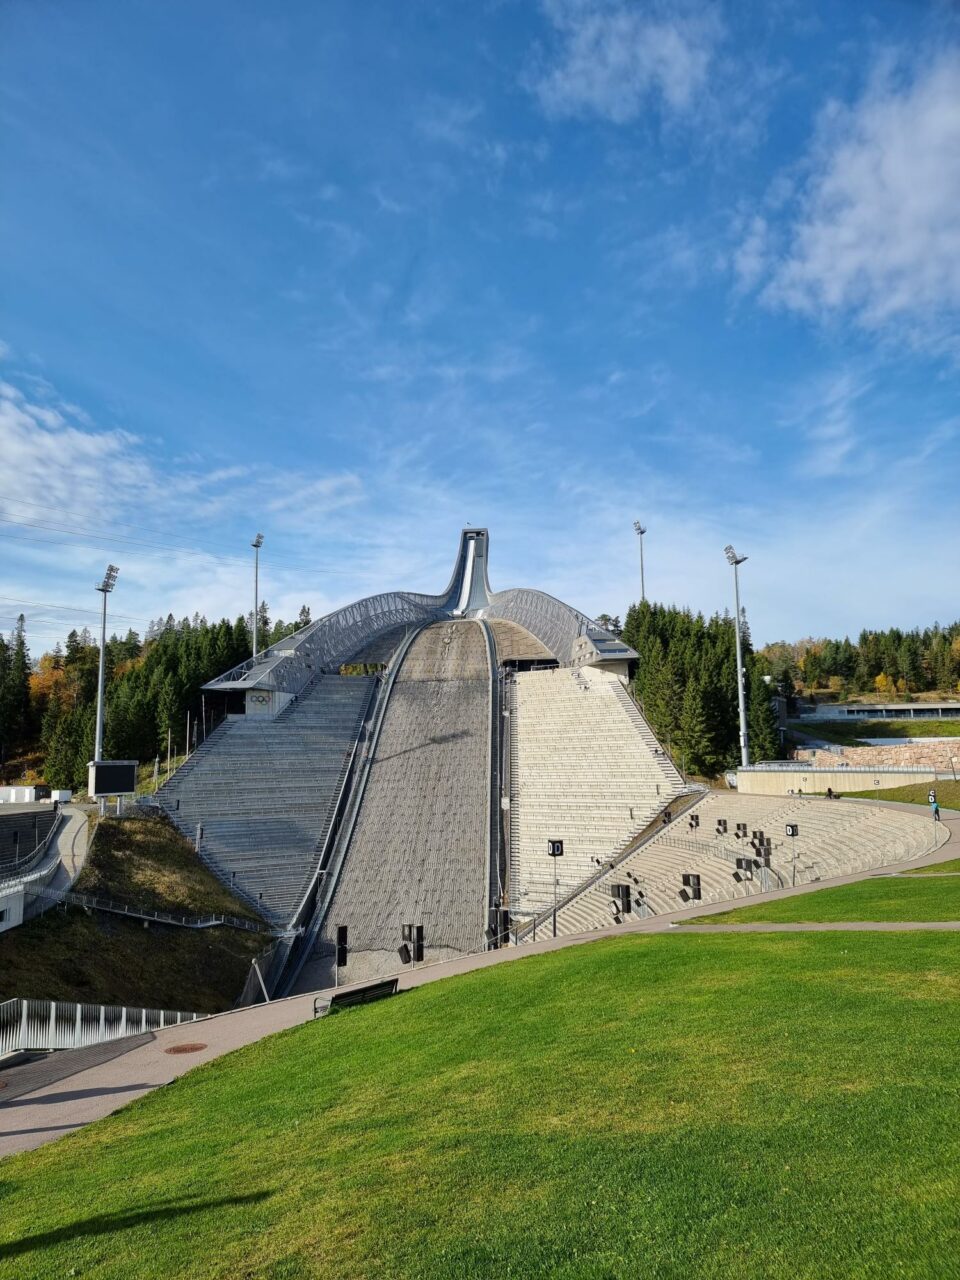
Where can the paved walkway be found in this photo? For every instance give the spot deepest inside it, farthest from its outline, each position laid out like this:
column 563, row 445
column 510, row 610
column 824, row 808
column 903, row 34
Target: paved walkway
column 62, row 1106
column 70, row 847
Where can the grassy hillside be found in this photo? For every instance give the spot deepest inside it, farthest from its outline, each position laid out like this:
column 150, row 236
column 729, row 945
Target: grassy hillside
column 938, row 868
column 681, row 1107
column 105, row 959
column 850, row 733
column 883, row 898
column 948, row 794
column 147, row 861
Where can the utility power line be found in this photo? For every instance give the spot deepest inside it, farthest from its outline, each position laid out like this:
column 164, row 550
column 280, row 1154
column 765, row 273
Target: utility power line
column 69, row 608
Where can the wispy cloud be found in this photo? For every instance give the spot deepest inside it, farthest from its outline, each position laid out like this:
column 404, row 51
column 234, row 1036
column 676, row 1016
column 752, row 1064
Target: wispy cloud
column 824, row 426
column 874, row 230
column 614, row 61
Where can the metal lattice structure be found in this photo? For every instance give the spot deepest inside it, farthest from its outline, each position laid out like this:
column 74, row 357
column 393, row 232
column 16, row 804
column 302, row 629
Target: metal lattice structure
column 288, row 666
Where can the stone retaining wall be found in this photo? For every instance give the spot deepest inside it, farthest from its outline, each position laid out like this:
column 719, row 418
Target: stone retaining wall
column 933, row 755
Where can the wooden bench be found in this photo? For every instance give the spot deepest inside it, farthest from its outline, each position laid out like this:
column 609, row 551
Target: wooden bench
column 349, row 996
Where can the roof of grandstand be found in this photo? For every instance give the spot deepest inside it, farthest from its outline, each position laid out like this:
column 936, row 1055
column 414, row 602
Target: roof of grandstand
column 567, row 635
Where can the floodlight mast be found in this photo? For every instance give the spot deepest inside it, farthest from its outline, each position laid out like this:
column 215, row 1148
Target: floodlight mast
column 257, row 543
column 640, row 531
column 104, row 587
column 736, row 561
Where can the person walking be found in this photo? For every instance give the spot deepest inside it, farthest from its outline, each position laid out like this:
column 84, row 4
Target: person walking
column 936, row 811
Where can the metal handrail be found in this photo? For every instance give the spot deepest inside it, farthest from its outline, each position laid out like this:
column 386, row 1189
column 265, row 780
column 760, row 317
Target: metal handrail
column 336, row 813
column 494, row 877
column 55, row 1024
column 614, row 861
column 341, row 844
column 34, row 859
column 93, row 903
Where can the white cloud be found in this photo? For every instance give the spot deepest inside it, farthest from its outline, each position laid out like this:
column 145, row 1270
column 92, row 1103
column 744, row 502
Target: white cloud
column 752, row 257
column 449, row 121
column 75, row 494
column 876, row 233
column 824, row 424
column 613, row 60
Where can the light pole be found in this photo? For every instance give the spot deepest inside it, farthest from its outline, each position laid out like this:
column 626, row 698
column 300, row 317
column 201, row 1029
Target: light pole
column 104, row 587
column 641, row 530
column 257, row 543
column 736, row 561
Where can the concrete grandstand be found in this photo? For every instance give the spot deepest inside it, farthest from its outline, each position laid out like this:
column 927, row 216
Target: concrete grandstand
column 379, row 820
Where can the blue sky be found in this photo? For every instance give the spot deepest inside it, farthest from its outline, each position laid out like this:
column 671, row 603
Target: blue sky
column 360, row 273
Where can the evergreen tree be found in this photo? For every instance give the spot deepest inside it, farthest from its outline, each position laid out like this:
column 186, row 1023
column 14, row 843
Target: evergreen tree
column 762, row 723
column 694, row 737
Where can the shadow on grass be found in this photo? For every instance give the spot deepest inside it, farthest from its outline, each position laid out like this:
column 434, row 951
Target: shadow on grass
column 105, row 1223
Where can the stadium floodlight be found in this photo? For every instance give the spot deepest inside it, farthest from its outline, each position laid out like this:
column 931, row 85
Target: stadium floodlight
column 641, row 529
column 257, row 543
column 736, row 561
column 104, row 587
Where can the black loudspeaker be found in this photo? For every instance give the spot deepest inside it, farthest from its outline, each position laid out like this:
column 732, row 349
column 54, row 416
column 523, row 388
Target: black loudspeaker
column 403, row 951
column 406, row 932
column 692, row 882
column 341, row 945
column 694, row 821
column 721, row 826
column 418, row 944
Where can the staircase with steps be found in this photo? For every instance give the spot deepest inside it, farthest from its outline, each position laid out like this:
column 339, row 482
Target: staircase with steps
column 264, row 790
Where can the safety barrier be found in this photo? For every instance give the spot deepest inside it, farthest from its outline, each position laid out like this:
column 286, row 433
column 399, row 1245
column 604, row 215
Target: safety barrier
column 53, row 897
column 59, row 1024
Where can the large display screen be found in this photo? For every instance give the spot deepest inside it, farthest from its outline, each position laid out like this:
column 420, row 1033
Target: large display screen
column 112, row 778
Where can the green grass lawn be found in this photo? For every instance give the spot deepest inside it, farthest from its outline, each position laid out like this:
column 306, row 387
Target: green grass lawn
column 104, row 959
column 948, row 794
column 952, row 867
column 883, row 898
column 850, row 733
column 677, row 1108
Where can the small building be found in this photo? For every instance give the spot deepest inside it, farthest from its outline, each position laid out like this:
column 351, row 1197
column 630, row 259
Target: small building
column 885, row 711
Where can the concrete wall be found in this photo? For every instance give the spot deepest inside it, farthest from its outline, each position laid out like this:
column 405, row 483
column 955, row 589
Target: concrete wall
column 11, row 909
column 266, row 702
column 927, row 754
column 18, row 795
column 783, row 782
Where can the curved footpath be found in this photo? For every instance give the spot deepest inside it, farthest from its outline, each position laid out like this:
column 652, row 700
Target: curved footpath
column 56, row 1097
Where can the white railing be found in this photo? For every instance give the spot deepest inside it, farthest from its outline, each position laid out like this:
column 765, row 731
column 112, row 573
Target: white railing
column 28, row 864
column 800, row 766
column 58, row 1024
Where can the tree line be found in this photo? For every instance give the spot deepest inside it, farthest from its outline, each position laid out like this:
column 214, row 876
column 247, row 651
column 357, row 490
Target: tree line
column 686, row 685
column 150, row 685
column 889, row 663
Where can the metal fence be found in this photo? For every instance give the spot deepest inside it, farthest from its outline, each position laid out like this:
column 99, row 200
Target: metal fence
column 53, row 897
column 59, row 1024
column 22, row 867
